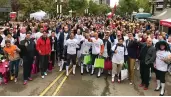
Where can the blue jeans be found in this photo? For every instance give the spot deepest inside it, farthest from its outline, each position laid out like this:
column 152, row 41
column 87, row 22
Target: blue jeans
column 14, row 66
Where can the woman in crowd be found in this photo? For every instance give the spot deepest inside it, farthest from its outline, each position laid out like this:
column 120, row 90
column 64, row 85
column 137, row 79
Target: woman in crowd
column 85, row 50
column 161, row 66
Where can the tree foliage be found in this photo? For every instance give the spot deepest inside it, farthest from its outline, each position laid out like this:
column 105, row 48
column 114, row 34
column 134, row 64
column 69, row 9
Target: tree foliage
column 144, row 4
column 3, row 2
column 98, row 9
column 129, row 6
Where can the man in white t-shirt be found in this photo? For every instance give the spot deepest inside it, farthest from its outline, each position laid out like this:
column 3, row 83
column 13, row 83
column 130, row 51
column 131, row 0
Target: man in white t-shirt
column 72, row 45
column 97, row 50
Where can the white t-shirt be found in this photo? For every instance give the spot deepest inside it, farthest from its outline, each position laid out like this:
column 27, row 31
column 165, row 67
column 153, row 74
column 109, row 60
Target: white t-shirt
column 22, row 36
column 160, row 64
column 118, row 57
column 105, row 54
column 96, row 45
column 38, row 35
column 71, row 44
column 3, row 36
column 3, row 41
column 85, row 47
column 155, row 41
column 79, row 37
column 65, row 37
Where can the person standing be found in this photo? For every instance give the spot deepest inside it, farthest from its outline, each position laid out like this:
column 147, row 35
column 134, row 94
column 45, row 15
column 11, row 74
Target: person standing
column 85, row 50
column 118, row 58
column 12, row 54
column 163, row 51
column 28, row 49
column 43, row 46
column 97, row 50
column 71, row 45
column 132, row 47
column 147, row 58
column 53, row 42
column 62, row 40
column 107, row 48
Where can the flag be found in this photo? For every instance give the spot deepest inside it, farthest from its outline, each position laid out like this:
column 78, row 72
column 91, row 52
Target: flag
column 113, row 11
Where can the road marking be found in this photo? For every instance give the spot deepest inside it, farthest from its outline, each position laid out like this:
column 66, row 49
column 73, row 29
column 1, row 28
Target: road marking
column 60, row 85
column 45, row 91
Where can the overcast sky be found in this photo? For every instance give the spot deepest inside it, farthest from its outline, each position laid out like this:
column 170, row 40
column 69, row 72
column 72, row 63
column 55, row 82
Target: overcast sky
column 112, row 2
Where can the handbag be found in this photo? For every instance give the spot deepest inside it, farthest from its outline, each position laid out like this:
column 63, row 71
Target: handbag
column 125, row 66
column 108, row 64
column 99, row 63
column 87, row 59
column 124, row 74
column 34, row 68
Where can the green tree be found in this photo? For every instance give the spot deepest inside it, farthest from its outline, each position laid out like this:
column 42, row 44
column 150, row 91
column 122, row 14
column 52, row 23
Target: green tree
column 78, row 6
column 144, row 4
column 126, row 7
column 3, row 2
column 100, row 9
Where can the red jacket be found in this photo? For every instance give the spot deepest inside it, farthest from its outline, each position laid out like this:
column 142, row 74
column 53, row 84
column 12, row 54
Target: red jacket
column 43, row 46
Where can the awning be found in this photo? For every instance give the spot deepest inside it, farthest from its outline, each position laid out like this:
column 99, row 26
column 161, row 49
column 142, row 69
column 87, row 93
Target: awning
column 166, row 22
column 143, row 15
column 163, row 15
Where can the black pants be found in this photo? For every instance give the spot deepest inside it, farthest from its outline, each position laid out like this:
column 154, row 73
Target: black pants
column 27, row 67
column 145, row 73
column 93, row 58
column 52, row 57
column 160, row 75
column 71, row 58
column 43, row 62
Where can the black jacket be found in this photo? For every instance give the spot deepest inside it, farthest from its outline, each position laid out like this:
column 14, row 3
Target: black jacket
column 55, row 43
column 61, row 41
column 132, row 48
column 108, row 46
column 29, row 50
column 150, row 56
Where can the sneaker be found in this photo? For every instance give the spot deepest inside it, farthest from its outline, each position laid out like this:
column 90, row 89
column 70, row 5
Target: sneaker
column 15, row 80
column 45, row 73
column 30, row 79
column 141, row 85
column 130, row 83
column 12, row 78
column 43, row 77
column 113, row 80
column 25, row 82
column 119, row 81
column 145, row 88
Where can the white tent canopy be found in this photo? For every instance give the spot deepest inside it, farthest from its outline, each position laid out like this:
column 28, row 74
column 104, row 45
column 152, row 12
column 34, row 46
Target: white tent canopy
column 38, row 15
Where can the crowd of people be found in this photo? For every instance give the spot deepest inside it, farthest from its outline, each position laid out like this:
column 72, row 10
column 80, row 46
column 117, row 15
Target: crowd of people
column 67, row 41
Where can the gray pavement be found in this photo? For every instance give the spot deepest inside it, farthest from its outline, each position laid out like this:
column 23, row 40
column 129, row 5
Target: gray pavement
column 80, row 85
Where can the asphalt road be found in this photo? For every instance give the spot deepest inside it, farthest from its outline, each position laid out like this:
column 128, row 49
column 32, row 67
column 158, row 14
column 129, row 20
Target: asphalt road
column 78, row 85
